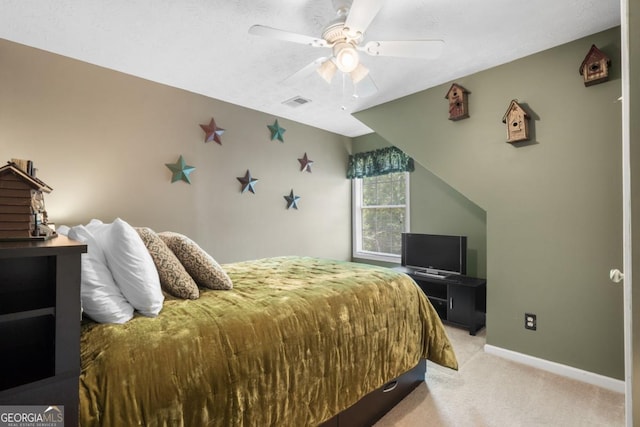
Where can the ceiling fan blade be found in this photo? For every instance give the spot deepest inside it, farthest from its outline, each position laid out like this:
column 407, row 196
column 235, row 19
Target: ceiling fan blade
column 429, row 49
column 365, row 87
column 274, row 33
column 361, row 14
column 304, row 71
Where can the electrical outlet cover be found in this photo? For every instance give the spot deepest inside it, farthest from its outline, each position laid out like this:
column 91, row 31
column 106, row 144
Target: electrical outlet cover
column 530, row 321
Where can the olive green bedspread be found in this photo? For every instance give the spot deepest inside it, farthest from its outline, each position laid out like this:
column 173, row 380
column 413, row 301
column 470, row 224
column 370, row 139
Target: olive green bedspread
column 296, row 341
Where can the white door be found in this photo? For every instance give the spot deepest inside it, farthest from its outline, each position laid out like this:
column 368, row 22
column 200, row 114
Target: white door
column 627, row 191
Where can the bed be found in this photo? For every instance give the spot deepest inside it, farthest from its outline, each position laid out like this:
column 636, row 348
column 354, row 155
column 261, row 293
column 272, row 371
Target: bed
column 297, row 341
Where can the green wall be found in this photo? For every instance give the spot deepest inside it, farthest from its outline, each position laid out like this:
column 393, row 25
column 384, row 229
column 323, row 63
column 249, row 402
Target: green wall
column 437, row 208
column 553, row 205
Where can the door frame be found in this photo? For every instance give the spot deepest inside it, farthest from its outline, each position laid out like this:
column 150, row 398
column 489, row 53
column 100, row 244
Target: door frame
column 626, row 212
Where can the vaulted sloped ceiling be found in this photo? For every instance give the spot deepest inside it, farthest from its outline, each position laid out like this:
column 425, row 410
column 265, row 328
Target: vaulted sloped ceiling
column 203, row 46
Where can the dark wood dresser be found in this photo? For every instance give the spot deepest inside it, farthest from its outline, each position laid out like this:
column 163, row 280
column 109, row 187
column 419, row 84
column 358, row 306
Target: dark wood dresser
column 40, row 323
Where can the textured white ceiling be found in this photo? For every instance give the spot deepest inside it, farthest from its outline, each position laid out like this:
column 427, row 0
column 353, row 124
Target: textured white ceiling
column 203, row 46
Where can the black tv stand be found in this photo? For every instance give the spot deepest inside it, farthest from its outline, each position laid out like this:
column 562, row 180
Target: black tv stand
column 459, row 300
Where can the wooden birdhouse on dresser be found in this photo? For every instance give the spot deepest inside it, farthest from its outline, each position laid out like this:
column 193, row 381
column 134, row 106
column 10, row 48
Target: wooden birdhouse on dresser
column 22, row 213
column 458, row 105
column 517, row 120
column 595, row 67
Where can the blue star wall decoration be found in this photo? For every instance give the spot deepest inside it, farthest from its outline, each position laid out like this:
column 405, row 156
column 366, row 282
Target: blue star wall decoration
column 292, row 200
column 180, row 170
column 277, row 132
column 305, row 163
column 248, row 182
column 212, row 132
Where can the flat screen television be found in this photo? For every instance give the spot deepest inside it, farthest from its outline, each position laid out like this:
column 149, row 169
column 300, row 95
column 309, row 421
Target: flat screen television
column 435, row 253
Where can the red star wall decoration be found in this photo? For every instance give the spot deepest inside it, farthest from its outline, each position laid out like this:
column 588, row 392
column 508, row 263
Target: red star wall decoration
column 305, row 163
column 212, row 132
column 248, row 182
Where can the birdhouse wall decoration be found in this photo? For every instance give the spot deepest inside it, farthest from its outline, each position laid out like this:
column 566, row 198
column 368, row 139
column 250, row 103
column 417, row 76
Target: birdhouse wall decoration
column 22, row 211
column 458, row 105
column 517, row 120
column 595, row 67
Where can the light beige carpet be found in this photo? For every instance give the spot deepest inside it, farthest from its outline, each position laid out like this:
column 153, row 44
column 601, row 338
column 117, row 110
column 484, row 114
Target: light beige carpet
column 490, row 391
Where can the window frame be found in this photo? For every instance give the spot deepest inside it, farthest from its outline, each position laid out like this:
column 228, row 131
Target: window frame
column 356, row 242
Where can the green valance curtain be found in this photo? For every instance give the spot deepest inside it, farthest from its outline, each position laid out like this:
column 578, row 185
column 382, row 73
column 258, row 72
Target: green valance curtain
column 379, row 162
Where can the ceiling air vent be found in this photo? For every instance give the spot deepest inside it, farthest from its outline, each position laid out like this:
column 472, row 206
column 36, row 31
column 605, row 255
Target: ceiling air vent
column 296, row 101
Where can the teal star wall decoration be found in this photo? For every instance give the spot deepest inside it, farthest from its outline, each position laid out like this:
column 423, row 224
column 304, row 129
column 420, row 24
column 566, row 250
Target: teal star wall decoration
column 212, row 132
column 305, row 163
column 292, row 200
column 247, row 182
column 180, row 170
column 277, row 132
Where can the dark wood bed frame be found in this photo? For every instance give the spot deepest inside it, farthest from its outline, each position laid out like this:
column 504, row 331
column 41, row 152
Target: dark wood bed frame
column 373, row 406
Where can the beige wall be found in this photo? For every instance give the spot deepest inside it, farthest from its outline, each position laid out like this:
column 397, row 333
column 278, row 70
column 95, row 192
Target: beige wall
column 553, row 205
column 101, row 140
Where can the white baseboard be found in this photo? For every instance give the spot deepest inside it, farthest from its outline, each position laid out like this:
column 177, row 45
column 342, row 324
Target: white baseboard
column 559, row 369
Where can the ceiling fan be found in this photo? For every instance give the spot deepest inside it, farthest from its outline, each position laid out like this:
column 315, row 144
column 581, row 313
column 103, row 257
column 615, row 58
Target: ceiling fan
column 345, row 36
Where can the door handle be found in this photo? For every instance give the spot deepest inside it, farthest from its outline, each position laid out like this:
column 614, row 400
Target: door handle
column 616, row 276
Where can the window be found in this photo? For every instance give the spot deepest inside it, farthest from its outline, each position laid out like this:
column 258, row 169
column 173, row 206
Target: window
column 381, row 215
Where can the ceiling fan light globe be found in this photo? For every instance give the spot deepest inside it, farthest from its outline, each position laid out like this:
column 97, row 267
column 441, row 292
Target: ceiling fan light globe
column 347, row 58
column 327, row 70
column 359, row 73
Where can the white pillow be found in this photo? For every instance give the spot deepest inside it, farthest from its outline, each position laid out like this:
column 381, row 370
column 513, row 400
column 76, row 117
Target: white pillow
column 101, row 298
column 63, row 230
column 131, row 265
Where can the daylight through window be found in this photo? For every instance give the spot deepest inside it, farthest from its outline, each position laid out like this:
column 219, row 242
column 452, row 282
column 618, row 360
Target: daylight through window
column 381, row 215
